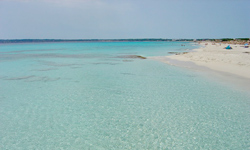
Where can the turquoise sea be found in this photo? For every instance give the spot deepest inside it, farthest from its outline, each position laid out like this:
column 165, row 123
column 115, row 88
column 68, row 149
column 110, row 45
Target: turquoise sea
column 100, row 95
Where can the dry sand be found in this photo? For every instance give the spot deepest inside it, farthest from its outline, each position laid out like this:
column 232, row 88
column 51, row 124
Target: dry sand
column 233, row 63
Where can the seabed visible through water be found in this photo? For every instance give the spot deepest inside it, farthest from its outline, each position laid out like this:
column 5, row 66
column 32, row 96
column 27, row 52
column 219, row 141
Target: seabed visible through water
column 97, row 96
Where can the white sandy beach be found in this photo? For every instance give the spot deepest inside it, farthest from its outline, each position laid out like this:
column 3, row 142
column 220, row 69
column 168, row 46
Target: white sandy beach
column 234, row 62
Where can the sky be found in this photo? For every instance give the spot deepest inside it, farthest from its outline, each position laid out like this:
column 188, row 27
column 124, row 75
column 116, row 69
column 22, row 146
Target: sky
column 123, row 19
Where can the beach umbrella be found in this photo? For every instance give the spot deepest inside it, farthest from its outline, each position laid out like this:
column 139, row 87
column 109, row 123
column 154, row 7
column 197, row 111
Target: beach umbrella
column 228, row 47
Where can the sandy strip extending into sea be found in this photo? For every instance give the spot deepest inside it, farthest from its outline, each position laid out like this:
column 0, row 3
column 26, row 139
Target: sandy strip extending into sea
column 231, row 65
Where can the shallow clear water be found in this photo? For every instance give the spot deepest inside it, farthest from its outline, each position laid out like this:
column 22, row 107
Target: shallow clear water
column 92, row 96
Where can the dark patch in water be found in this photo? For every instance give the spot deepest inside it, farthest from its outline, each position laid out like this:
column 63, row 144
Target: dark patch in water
column 105, row 63
column 127, row 53
column 126, row 60
column 132, row 56
column 48, row 69
column 33, row 78
column 43, row 79
column 75, row 67
column 173, row 52
column 109, row 59
column 54, row 64
column 20, row 78
column 177, row 53
column 2, row 77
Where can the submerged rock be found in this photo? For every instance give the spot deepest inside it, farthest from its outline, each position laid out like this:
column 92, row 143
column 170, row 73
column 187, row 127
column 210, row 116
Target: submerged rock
column 132, row 56
column 173, row 52
column 178, row 53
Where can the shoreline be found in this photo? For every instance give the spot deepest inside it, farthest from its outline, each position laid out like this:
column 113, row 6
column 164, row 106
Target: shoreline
column 227, row 66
